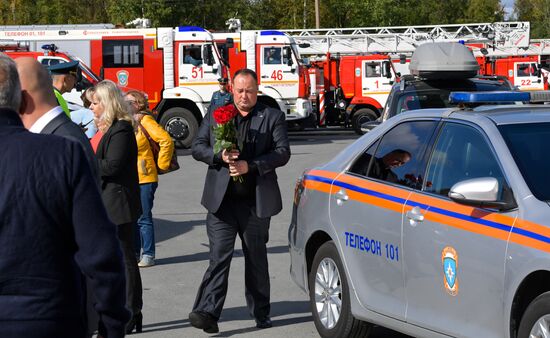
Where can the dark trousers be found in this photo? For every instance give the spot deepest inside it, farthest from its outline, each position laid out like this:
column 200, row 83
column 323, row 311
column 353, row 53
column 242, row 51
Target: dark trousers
column 134, row 292
column 236, row 217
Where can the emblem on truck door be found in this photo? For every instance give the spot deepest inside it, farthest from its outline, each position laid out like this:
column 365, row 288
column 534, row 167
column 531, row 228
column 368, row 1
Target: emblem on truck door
column 122, row 77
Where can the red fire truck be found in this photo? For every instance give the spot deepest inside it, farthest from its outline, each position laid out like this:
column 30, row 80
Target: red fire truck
column 522, row 71
column 157, row 61
column 354, row 78
column 350, row 90
column 51, row 56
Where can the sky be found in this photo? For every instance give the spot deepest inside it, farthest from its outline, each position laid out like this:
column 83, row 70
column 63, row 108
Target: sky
column 508, row 6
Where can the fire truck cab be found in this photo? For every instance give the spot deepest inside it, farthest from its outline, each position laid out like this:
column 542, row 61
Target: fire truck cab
column 274, row 56
column 523, row 71
column 192, row 66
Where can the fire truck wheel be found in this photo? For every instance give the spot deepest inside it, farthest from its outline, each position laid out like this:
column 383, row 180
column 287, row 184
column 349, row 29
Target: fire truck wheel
column 361, row 116
column 181, row 124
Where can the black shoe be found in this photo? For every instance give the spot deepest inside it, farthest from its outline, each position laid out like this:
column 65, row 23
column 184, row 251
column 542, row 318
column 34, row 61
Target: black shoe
column 135, row 323
column 263, row 323
column 205, row 321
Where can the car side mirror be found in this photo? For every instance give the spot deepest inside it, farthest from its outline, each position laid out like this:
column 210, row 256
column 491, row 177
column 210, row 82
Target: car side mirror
column 482, row 193
column 368, row 126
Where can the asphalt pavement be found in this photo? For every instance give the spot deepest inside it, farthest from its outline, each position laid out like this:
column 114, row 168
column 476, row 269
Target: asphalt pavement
column 169, row 287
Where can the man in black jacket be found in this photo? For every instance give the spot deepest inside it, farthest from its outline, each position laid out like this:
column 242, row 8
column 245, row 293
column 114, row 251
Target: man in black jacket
column 53, row 226
column 242, row 207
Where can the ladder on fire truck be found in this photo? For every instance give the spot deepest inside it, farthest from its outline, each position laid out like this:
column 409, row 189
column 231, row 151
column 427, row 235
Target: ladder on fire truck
column 498, row 39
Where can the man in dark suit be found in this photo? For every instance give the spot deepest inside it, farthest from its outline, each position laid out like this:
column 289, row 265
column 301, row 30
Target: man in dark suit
column 40, row 111
column 53, row 228
column 244, row 208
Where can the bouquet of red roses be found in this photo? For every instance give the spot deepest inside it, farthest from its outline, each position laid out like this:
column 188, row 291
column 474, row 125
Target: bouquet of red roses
column 225, row 131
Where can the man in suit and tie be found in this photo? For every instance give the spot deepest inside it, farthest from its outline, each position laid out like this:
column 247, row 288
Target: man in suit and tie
column 53, row 228
column 40, row 111
column 240, row 207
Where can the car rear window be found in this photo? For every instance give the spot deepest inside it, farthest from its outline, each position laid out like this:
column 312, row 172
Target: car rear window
column 438, row 97
column 528, row 143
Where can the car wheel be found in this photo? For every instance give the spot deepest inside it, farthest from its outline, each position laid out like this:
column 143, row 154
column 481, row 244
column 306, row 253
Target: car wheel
column 329, row 297
column 536, row 318
column 361, row 116
column 181, row 124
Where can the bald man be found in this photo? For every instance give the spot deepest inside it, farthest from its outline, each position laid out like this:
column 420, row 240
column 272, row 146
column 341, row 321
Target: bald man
column 40, row 111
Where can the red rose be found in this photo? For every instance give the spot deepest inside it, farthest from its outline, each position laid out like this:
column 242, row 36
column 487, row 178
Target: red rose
column 224, row 114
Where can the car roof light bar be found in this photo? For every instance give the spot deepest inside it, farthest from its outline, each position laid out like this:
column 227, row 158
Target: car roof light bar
column 540, row 96
column 489, row 97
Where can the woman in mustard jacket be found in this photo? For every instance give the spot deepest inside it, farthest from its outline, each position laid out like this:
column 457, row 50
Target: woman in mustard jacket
column 147, row 170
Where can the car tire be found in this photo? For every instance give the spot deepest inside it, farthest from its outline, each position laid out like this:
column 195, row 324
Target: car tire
column 361, row 116
column 536, row 317
column 181, row 124
column 325, row 294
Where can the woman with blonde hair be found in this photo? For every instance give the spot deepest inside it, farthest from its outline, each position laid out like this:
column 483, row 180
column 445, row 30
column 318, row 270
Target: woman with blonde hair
column 117, row 157
column 147, row 129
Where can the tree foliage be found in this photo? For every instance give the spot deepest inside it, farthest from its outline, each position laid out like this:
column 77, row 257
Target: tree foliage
column 537, row 12
column 274, row 14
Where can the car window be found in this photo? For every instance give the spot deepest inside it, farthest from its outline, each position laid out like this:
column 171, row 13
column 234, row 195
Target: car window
column 434, row 99
column 421, row 96
column 461, row 152
column 398, row 157
column 528, row 143
column 361, row 165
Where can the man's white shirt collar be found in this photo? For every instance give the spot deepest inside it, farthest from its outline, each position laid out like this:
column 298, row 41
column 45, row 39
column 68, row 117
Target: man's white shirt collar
column 43, row 121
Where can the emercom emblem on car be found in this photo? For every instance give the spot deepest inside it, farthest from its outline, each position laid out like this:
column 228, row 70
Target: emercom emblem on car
column 449, row 258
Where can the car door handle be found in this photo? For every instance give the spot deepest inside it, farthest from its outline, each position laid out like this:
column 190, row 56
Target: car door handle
column 341, row 197
column 183, row 77
column 265, row 77
column 415, row 216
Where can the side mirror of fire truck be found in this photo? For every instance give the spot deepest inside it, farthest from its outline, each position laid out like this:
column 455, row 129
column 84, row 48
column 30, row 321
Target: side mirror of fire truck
column 387, row 69
column 83, row 84
column 229, row 43
column 287, row 54
column 208, row 55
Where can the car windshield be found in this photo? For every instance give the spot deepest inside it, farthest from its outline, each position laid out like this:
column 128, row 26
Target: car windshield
column 528, row 144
